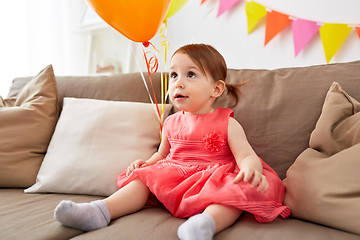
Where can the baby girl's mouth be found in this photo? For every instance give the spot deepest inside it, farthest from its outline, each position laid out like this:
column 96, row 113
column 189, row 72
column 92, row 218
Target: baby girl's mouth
column 179, row 96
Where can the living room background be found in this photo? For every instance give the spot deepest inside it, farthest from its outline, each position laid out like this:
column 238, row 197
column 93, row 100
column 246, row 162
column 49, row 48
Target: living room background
column 62, row 33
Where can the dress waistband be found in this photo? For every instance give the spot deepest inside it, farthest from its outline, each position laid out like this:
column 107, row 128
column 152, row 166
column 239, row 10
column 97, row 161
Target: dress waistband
column 186, row 150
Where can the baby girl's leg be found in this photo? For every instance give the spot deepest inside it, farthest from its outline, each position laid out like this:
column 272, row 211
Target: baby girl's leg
column 224, row 216
column 131, row 197
column 214, row 219
column 97, row 214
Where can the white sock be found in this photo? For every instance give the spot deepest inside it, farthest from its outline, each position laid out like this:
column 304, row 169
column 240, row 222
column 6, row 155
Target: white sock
column 198, row 227
column 83, row 216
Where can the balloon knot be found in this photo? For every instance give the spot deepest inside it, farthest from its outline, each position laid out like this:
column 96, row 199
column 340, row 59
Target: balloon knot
column 146, row 44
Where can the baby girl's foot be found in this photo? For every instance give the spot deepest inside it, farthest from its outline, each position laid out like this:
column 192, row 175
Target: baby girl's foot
column 83, row 216
column 198, row 227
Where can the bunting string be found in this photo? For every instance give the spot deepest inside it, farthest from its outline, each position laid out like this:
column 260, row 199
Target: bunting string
column 332, row 34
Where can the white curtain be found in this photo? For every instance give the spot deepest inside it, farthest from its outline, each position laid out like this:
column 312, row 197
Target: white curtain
column 13, row 43
column 33, row 35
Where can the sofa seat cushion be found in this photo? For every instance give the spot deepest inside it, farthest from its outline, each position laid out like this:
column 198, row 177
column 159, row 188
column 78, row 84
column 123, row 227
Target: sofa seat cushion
column 290, row 229
column 157, row 223
column 30, row 216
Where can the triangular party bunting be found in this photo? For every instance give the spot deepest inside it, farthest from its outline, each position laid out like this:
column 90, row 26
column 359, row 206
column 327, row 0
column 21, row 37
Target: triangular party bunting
column 303, row 32
column 275, row 23
column 254, row 12
column 202, row 1
column 358, row 31
column 226, row 5
column 332, row 36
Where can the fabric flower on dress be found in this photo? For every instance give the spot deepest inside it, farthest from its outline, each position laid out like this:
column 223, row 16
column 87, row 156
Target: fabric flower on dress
column 213, row 142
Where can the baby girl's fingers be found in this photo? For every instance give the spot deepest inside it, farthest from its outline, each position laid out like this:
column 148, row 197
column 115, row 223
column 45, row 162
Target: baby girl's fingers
column 129, row 170
column 264, row 185
column 256, row 179
column 136, row 164
column 140, row 163
column 249, row 174
column 239, row 177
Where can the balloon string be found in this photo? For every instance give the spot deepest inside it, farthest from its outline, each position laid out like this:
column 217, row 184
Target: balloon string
column 152, row 66
column 164, row 84
column 143, row 78
column 152, row 62
column 147, row 43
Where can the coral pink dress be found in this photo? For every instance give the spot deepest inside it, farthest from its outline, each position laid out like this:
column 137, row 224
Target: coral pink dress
column 200, row 169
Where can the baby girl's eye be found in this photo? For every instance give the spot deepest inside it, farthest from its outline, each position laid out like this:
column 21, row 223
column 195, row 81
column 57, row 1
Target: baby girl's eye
column 173, row 75
column 191, row 75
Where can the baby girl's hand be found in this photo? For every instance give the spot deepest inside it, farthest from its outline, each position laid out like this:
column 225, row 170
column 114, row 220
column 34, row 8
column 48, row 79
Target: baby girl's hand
column 137, row 164
column 254, row 177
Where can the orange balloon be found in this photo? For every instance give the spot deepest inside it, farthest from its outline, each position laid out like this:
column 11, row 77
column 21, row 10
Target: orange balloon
column 138, row 20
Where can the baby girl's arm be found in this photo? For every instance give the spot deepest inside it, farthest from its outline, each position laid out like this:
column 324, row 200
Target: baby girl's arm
column 246, row 158
column 162, row 152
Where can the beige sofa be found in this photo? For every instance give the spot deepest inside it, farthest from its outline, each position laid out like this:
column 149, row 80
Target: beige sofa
column 279, row 110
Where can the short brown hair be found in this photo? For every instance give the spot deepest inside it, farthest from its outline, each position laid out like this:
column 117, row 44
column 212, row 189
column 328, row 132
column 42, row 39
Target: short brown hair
column 209, row 60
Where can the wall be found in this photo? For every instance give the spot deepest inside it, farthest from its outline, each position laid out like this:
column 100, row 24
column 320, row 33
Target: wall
column 228, row 33
column 40, row 32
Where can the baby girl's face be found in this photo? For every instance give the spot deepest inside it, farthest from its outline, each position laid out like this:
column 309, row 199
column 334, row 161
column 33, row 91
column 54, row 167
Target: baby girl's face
column 190, row 90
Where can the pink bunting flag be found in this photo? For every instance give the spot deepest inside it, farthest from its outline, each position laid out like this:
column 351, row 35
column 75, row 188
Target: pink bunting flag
column 303, row 32
column 226, row 5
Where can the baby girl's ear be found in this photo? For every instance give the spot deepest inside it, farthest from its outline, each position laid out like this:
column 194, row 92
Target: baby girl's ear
column 219, row 88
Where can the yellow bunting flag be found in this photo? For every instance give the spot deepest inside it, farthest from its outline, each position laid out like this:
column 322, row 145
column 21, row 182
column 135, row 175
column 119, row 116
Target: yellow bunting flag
column 332, row 36
column 254, row 12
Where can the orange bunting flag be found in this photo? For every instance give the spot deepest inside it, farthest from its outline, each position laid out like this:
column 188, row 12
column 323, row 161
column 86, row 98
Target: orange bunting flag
column 332, row 36
column 226, row 5
column 358, row 31
column 275, row 23
column 202, row 1
column 254, row 12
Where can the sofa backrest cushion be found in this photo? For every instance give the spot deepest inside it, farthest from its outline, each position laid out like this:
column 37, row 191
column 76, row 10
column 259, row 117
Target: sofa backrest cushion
column 27, row 123
column 94, row 142
column 278, row 109
column 323, row 183
column 120, row 87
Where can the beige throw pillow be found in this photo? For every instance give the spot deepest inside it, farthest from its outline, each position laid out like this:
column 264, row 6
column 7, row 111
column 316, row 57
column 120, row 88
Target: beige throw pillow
column 94, row 141
column 27, row 123
column 323, row 185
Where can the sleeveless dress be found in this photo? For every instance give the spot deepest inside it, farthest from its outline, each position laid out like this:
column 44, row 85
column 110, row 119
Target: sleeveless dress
column 200, row 168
